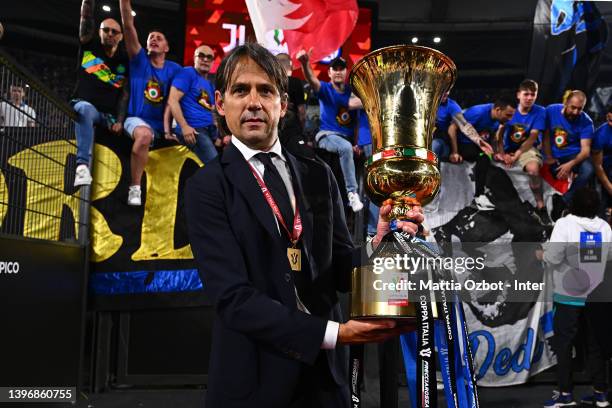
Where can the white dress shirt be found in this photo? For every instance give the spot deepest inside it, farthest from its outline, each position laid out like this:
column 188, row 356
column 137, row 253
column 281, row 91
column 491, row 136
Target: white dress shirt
column 280, row 162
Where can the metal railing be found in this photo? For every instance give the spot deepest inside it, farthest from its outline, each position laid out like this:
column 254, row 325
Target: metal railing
column 37, row 160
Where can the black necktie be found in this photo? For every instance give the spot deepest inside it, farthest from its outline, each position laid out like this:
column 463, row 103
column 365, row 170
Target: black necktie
column 277, row 188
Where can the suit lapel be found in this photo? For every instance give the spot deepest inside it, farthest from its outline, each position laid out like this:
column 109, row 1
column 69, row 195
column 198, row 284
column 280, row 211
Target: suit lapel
column 240, row 175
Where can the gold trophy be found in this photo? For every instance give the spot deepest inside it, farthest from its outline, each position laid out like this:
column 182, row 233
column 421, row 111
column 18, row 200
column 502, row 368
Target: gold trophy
column 401, row 88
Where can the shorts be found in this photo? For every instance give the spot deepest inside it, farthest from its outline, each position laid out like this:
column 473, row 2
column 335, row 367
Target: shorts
column 530, row 155
column 133, row 122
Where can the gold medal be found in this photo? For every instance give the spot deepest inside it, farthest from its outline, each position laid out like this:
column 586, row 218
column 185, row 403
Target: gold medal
column 295, row 258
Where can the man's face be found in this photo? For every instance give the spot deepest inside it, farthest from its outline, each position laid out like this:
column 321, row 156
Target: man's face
column 503, row 115
column 110, row 33
column 337, row 75
column 17, row 93
column 157, row 43
column 609, row 118
column 252, row 105
column 285, row 61
column 573, row 107
column 203, row 59
column 526, row 98
column 444, row 97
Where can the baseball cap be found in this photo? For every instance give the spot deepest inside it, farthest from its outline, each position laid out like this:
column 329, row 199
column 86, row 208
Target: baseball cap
column 338, row 62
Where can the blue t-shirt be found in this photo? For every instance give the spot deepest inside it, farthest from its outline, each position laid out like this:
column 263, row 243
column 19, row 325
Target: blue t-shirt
column 445, row 114
column 149, row 87
column 565, row 135
column 365, row 137
column 335, row 116
column 480, row 117
column 602, row 140
column 518, row 128
column 199, row 99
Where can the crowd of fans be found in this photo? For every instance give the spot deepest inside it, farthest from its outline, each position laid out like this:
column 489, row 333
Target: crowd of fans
column 135, row 91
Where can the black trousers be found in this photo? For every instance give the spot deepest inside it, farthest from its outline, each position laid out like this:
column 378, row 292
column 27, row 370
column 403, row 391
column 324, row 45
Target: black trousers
column 317, row 388
column 567, row 321
column 472, row 153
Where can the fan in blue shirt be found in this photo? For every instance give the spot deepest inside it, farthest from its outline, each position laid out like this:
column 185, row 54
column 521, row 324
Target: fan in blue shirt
column 447, row 110
column 567, row 142
column 191, row 100
column 602, row 156
column 336, row 133
column 150, row 78
column 474, row 145
column 520, row 139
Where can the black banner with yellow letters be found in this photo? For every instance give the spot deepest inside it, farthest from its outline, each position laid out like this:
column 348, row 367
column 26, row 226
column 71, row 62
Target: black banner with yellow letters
column 140, row 256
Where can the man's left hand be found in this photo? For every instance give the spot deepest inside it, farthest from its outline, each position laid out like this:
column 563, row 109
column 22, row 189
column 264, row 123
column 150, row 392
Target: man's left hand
column 411, row 227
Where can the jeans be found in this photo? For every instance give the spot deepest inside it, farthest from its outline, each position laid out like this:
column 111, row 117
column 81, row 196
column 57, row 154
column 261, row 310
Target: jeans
column 373, row 209
column 441, row 148
column 204, row 147
column 88, row 117
column 584, row 171
column 338, row 144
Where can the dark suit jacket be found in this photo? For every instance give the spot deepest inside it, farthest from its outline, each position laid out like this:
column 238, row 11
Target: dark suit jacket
column 261, row 341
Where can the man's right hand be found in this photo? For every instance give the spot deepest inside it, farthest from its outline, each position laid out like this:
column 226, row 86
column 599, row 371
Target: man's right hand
column 189, row 134
column 303, row 56
column 455, row 158
column 370, row 331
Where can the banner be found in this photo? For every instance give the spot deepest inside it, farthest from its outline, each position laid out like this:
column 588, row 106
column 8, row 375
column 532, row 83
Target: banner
column 568, row 37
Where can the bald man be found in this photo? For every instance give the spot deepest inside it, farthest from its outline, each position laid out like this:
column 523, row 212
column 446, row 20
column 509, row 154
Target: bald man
column 100, row 97
column 567, row 143
column 191, row 101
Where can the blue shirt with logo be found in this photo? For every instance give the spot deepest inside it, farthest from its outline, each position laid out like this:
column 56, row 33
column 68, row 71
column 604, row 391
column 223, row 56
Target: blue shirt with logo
column 335, row 116
column 518, row 129
column 365, row 136
column 149, row 87
column 445, row 114
column 565, row 135
column 602, row 141
column 479, row 116
column 199, row 99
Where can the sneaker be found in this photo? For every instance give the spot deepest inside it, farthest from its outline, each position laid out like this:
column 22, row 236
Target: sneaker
column 82, row 176
column 355, row 202
column 482, row 203
column 134, row 196
column 541, row 214
column 559, row 400
column 597, row 399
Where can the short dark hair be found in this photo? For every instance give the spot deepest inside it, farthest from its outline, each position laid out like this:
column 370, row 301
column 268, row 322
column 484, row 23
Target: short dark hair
column 262, row 57
column 609, row 108
column 528, row 85
column 585, row 203
column 158, row 30
column 504, row 100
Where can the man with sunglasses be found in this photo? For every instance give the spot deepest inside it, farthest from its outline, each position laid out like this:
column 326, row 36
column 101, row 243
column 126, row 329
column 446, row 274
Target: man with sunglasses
column 191, row 100
column 100, row 96
column 151, row 75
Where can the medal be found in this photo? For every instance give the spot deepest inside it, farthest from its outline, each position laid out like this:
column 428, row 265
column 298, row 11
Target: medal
column 295, row 259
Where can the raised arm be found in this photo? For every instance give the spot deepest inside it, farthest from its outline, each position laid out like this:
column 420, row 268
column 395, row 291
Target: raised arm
column 87, row 27
column 304, row 58
column 130, row 35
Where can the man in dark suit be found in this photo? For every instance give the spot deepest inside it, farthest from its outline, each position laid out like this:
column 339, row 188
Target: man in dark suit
column 269, row 236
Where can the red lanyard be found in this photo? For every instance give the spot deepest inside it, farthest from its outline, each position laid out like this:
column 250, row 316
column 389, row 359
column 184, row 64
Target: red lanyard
column 297, row 221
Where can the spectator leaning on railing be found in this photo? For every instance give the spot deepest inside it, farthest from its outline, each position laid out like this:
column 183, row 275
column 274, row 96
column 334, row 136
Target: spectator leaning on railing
column 15, row 112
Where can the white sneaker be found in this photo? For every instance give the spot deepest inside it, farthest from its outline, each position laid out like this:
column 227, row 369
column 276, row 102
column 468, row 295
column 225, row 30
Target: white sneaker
column 82, row 176
column 134, row 196
column 355, row 202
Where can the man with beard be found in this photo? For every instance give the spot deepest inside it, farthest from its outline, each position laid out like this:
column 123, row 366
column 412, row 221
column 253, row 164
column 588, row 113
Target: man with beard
column 602, row 157
column 101, row 93
column 520, row 140
column 337, row 130
column 567, row 143
column 150, row 79
column 191, row 100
